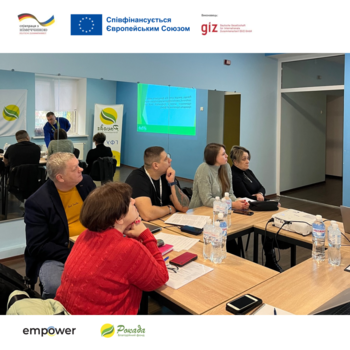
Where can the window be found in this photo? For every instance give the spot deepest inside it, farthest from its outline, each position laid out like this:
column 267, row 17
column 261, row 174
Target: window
column 58, row 95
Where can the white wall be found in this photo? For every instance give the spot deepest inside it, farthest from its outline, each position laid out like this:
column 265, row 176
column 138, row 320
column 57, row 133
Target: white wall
column 303, row 139
column 334, row 135
column 216, row 108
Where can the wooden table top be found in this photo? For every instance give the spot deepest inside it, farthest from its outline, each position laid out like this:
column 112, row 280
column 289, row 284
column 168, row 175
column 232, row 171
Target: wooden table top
column 303, row 288
column 228, row 279
column 238, row 222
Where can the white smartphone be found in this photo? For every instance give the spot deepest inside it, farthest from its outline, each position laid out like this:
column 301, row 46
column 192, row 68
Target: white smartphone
column 243, row 304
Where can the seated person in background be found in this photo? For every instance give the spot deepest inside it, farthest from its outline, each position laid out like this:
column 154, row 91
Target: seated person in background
column 53, row 124
column 60, row 143
column 51, row 216
column 245, row 184
column 111, row 280
column 100, row 151
column 156, row 191
column 213, row 178
column 22, row 152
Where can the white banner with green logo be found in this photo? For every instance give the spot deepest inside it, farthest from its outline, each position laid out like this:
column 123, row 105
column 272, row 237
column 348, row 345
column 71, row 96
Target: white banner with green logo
column 109, row 120
column 13, row 104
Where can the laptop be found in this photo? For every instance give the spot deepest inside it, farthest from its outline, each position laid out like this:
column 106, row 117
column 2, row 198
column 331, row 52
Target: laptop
column 152, row 228
column 345, row 215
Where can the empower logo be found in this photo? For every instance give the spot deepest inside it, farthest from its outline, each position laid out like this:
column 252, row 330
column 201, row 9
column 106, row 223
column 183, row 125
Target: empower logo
column 51, row 331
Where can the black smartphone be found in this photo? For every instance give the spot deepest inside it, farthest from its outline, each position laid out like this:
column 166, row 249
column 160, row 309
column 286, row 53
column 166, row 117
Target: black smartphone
column 192, row 230
column 243, row 304
column 243, row 212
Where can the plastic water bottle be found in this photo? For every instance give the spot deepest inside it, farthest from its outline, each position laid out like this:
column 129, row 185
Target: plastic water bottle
column 216, row 243
column 207, row 236
column 318, row 239
column 223, row 226
column 229, row 208
column 216, row 206
column 224, row 209
column 334, row 244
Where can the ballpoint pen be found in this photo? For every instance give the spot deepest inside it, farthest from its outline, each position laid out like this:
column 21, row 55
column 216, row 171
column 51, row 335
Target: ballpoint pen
column 274, row 311
column 166, row 258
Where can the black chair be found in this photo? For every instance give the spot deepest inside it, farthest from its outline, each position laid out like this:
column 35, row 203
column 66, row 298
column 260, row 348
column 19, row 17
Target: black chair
column 76, row 152
column 103, row 169
column 23, row 181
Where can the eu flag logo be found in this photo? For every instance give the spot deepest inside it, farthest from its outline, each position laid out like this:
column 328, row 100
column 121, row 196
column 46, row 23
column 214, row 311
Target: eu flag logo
column 86, row 24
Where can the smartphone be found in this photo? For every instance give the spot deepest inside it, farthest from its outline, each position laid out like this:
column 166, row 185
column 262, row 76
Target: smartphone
column 243, row 212
column 243, row 304
column 192, row 230
column 183, row 259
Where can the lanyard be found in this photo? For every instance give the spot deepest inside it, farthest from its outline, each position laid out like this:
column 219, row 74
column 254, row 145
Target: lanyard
column 58, row 125
column 160, row 187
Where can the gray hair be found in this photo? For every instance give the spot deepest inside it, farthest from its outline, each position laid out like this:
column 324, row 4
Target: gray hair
column 56, row 164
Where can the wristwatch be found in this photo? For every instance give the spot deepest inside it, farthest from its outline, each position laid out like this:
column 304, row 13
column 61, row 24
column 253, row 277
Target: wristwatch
column 172, row 183
column 169, row 209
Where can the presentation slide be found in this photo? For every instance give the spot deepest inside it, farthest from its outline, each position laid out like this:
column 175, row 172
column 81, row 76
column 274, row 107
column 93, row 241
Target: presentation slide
column 167, row 110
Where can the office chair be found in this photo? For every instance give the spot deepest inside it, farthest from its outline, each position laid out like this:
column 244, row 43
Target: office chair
column 23, row 181
column 103, row 169
column 76, row 152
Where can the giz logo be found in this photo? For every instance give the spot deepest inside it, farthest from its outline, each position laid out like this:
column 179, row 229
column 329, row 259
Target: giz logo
column 209, row 28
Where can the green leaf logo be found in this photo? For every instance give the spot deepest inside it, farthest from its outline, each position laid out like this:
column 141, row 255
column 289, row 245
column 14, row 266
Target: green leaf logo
column 108, row 116
column 10, row 113
column 107, row 330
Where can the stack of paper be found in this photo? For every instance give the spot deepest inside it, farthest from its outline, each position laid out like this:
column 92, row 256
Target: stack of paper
column 198, row 221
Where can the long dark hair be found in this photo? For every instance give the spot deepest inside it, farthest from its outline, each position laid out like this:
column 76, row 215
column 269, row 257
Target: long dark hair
column 211, row 152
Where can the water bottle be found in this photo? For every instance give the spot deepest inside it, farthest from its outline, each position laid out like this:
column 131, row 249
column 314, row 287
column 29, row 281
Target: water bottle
column 318, row 239
column 334, row 244
column 223, row 226
column 207, row 236
column 229, row 208
column 216, row 206
column 223, row 208
column 216, row 243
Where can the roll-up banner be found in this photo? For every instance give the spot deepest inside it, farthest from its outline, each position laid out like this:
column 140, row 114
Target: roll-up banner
column 109, row 120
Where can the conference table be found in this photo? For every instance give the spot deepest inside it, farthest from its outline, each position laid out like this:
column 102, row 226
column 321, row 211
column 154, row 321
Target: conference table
column 299, row 290
column 302, row 289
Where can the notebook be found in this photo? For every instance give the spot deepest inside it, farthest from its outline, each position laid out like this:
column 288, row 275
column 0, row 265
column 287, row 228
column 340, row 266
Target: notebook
column 345, row 216
column 166, row 248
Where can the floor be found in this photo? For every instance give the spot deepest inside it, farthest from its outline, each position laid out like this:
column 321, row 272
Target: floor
column 303, row 201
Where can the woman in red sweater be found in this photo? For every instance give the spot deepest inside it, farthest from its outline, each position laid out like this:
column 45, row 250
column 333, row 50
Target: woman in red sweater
column 106, row 271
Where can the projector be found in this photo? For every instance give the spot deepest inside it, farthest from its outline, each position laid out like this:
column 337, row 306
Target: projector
column 298, row 221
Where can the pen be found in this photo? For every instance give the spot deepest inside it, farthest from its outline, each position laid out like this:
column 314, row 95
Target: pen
column 166, row 258
column 274, row 311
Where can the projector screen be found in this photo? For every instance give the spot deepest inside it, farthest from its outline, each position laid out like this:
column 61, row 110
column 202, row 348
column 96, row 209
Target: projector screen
column 164, row 109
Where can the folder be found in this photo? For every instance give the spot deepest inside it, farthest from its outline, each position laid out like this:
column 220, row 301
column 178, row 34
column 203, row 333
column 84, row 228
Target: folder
column 166, row 248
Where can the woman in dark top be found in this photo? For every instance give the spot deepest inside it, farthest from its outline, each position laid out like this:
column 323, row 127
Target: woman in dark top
column 245, row 184
column 100, row 151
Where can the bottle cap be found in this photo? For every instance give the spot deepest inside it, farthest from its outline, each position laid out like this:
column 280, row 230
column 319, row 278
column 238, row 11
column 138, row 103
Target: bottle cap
column 333, row 222
column 217, row 198
column 227, row 194
column 319, row 217
column 223, row 199
column 220, row 216
column 334, row 225
column 217, row 224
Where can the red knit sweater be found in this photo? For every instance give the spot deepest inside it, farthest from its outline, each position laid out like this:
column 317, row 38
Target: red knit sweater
column 105, row 273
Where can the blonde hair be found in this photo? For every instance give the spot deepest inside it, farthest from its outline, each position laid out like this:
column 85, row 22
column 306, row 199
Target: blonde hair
column 237, row 152
column 57, row 163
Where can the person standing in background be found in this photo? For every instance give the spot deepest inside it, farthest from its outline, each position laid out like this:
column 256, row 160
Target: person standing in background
column 53, row 124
